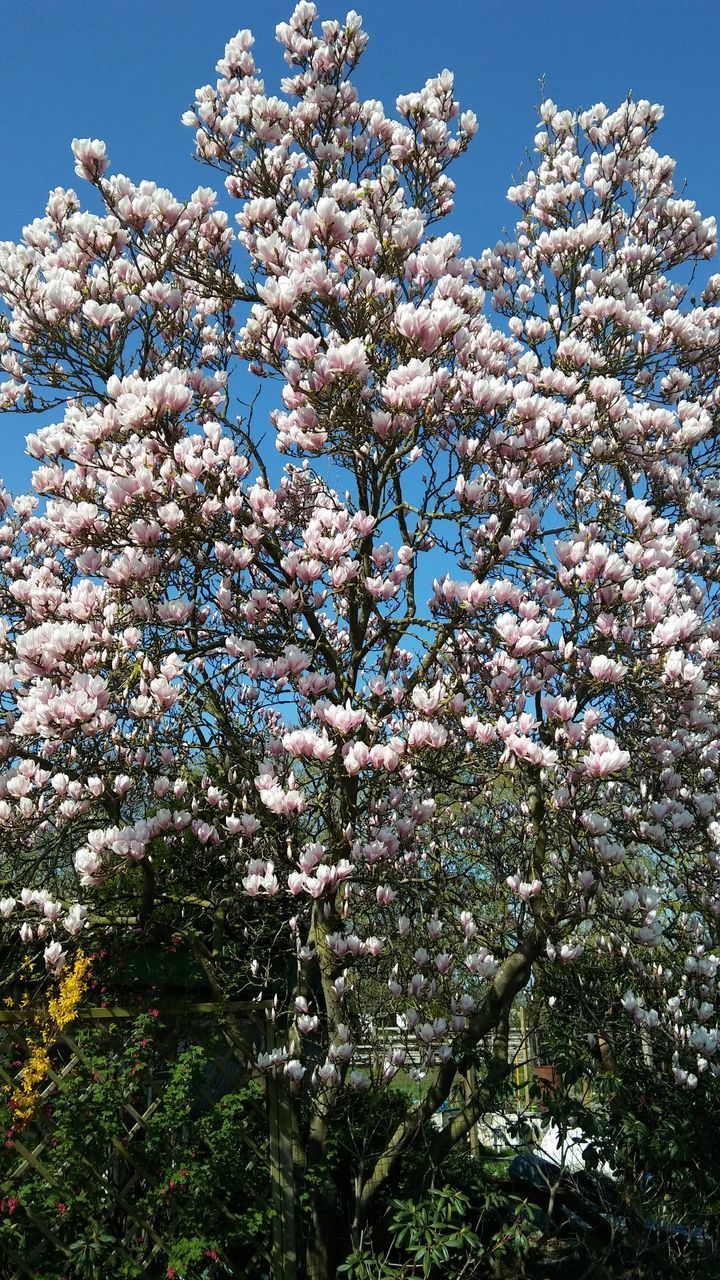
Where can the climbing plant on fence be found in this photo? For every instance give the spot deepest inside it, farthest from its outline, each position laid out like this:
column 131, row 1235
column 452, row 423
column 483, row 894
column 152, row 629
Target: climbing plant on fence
column 150, row 1151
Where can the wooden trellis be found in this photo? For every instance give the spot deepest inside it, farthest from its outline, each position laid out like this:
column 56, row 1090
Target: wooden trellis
column 124, row 1173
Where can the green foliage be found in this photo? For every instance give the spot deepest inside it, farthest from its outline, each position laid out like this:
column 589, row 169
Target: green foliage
column 429, row 1238
column 148, row 1139
column 158, row 1136
column 434, row 1231
column 449, row 1234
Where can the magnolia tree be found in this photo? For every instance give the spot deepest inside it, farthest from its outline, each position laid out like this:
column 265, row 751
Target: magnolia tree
column 381, row 725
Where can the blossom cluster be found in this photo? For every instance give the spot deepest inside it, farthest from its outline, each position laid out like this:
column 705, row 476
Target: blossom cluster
column 474, row 660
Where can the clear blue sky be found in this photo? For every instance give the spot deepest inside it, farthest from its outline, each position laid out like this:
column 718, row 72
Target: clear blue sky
column 125, row 71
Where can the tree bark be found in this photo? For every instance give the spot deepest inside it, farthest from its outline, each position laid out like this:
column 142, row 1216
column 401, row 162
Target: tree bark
column 511, row 977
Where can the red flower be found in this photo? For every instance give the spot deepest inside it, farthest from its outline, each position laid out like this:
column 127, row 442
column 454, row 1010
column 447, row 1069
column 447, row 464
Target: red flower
column 61, row 1207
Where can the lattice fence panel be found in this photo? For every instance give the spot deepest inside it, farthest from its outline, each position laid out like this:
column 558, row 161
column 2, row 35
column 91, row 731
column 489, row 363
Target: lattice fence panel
column 112, row 1204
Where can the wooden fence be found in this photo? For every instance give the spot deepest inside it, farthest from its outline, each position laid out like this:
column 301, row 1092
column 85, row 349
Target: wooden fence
column 122, row 1176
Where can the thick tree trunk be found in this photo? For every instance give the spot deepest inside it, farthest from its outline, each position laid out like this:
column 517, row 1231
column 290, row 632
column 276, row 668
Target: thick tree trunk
column 321, row 1247
column 318, row 1252
column 319, row 1255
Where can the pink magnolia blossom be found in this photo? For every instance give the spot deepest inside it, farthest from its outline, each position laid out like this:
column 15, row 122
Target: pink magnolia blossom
column 604, row 757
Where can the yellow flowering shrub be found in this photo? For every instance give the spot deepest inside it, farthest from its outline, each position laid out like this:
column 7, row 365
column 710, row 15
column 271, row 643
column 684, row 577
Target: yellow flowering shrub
column 49, row 1023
